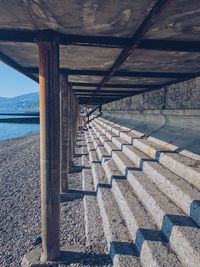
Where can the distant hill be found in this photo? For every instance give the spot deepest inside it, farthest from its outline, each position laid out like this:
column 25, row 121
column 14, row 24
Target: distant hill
column 24, row 102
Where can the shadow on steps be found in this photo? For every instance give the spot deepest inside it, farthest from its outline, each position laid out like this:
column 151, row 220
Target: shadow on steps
column 70, row 257
column 142, row 234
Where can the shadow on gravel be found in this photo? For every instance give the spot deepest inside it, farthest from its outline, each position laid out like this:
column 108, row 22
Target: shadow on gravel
column 77, row 155
column 79, row 146
column 73, row 194
column 76, row 169
column 121, row 248
column 83, row 192
column 69, row 257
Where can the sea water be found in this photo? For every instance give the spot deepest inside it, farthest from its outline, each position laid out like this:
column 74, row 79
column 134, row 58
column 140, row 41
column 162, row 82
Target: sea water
column 11, row 130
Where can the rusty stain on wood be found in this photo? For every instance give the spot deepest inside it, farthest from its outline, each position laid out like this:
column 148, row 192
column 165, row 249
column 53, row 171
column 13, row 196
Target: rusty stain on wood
column 49, row 149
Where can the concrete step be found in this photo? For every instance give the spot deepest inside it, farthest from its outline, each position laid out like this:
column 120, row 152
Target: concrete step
column 93, row 157
column 118, row 130
column 116, row 140
column 110, row 147
column 123, row 162
column 129, row 136
column 100, row 177
column 97, row 143
column 103, row 129
column 148, row 240
column 111, row 170
column 182, row 193
column 110, row 134
column 96, row 130
column 178, row 229
column 161, row 193
column 135, row 155
column 119, row 242
column 104, row 123
column 88, row 138
column 106, row 130
column 102, row 153
column 183, row 166
column 93, row 221
column 90, row 146
column 165, row 213
column 119, row 142
column 103, row 138
column 161, row 151
column 91, row 132
column 177, row 189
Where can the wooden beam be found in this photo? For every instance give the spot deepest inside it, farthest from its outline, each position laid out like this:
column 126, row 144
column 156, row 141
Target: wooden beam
column 137, row 36
column 94, row 102
column 116, row 86
column 50, row 149
column 170, row 45
column 113, row 95
column 137, row 74
column 64, row 39
column 11, row 63
column 8, row 35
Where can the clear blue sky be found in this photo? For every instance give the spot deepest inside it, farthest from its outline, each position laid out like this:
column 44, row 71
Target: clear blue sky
column 13, row 83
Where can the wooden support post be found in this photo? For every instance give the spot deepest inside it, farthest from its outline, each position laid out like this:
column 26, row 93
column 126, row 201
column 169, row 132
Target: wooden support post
column 64, row 133
column 49, row 149
column 77, row 117
column 70, row 119
column 74, row 122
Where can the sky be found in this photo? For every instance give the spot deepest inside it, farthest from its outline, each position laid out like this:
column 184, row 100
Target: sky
column 13, row 83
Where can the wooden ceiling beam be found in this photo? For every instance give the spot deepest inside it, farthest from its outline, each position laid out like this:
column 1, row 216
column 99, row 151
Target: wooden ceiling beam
column 85, row 91
column 13, row 64
column 116, row 86
column 170, row 45
column 137, row 74
column 63, row 39
column 10, row 35
column 135, row 40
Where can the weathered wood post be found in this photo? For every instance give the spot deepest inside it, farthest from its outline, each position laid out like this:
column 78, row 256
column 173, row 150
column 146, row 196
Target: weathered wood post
column 70, row 119
column 64, row 133
column 76, row 118
column 74, row 122
column 49, row 149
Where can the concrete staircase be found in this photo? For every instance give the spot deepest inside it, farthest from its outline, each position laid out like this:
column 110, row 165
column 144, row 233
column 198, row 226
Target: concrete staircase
column 148, row 195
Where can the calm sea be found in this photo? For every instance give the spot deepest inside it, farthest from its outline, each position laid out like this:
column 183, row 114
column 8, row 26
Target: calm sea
column 11, row 130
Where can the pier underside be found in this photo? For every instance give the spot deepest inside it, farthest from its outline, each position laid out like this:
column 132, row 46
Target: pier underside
column 95, row 53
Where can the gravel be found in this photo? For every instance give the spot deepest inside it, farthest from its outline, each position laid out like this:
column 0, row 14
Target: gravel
column 20, row 221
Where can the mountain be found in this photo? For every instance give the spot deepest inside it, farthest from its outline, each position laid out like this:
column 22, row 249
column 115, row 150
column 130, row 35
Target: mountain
column 28, row 102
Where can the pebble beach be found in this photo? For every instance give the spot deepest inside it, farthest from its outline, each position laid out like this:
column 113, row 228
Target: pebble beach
column 20, row 206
